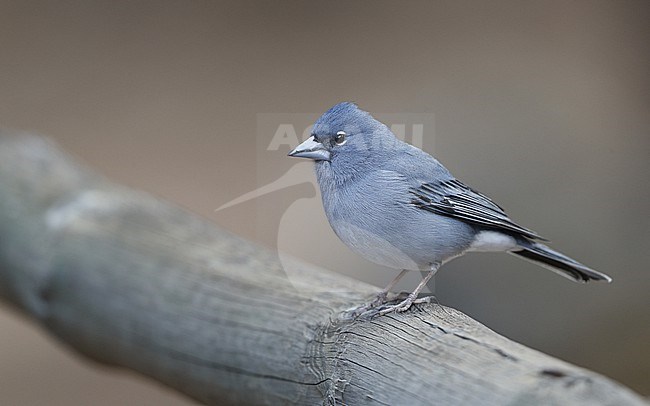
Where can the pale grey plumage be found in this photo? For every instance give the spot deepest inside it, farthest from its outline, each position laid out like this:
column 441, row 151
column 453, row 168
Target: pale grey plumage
column 398, row 206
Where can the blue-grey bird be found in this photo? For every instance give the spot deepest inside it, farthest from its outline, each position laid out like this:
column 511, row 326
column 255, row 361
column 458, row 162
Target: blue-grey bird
column 397, row 206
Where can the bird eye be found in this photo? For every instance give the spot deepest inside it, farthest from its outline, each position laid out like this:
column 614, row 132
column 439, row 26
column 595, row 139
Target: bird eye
column 340, row 138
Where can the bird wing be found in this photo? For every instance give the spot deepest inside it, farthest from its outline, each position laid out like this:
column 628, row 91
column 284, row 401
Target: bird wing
column 452, row 198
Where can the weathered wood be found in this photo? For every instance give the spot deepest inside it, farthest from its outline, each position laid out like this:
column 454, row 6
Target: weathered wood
column 134, row 282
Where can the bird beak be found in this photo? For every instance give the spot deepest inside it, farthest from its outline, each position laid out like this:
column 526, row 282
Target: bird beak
column 311, row 149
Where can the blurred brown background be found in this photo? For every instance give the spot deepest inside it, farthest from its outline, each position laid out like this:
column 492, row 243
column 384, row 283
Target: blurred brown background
column 543, row 106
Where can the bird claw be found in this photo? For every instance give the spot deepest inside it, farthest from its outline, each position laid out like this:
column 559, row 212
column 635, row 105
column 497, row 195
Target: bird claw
column 378, row 306
column 405, row 304
column 426, row 299
column 380, row 299
column 386, row 297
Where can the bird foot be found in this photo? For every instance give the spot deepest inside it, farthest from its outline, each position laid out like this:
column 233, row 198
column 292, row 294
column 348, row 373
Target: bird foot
column 379, row 307
column 405, row 304
column 380, row 299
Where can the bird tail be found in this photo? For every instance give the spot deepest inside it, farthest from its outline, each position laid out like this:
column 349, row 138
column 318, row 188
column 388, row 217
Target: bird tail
column 557, row 262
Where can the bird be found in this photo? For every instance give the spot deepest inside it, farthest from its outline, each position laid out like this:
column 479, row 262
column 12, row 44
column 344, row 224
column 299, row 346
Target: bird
column 397, row 206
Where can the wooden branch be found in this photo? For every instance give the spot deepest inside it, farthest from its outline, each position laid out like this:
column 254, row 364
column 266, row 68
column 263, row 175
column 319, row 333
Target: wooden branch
column 134, row 282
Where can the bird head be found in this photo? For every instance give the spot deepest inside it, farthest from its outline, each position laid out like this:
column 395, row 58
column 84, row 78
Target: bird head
column 347, row 138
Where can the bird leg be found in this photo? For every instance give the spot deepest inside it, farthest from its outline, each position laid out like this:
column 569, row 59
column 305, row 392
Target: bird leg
column 413, row 297
column 381, row 297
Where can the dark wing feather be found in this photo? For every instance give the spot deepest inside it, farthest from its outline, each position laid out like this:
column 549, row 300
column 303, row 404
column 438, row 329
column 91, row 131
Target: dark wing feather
column 454, row 199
